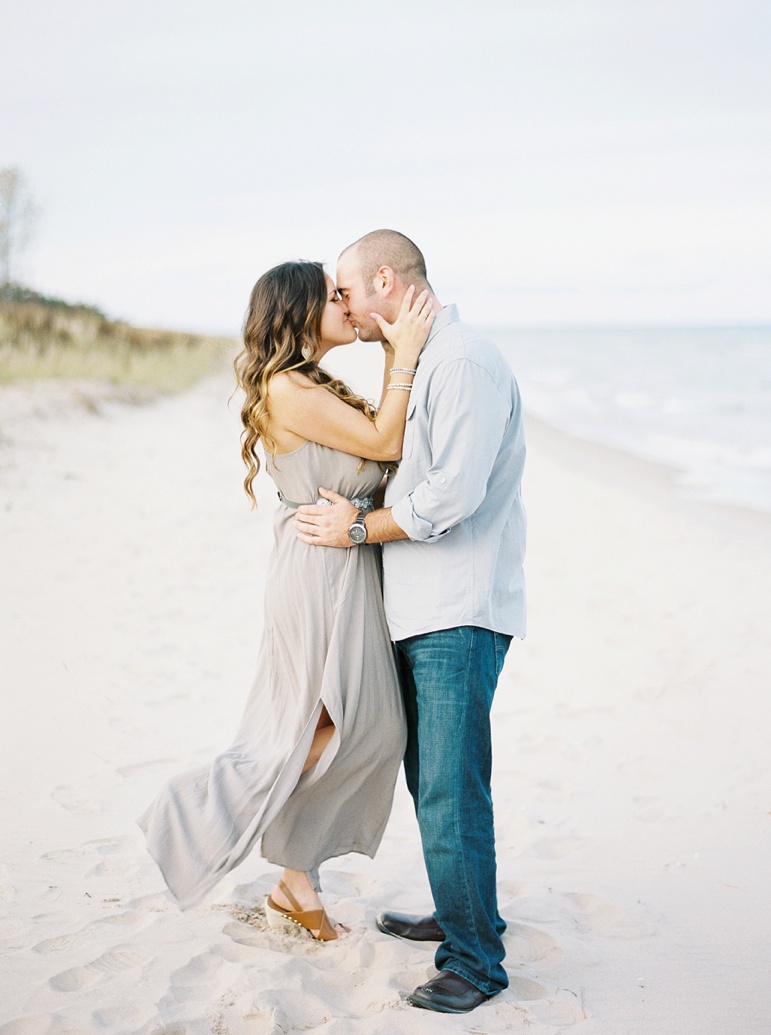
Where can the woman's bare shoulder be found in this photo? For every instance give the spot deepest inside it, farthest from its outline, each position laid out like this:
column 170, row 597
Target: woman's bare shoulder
column 287, row 383
column 282, row 401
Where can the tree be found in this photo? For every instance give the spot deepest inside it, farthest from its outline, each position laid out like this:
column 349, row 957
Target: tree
column 18, row 212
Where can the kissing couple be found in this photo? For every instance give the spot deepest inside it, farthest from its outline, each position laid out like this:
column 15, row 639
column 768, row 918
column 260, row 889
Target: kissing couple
column 395, row 586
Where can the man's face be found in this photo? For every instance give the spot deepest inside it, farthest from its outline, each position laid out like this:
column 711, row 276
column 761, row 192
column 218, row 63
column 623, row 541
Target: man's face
column 352, row 290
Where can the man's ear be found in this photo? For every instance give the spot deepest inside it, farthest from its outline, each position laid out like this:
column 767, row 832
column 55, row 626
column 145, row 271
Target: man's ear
column 385, row 281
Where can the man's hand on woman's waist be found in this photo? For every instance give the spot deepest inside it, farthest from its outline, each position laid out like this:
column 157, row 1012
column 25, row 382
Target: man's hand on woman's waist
column 319, row 525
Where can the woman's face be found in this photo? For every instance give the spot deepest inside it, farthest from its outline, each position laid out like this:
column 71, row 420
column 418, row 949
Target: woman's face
column 335, row 327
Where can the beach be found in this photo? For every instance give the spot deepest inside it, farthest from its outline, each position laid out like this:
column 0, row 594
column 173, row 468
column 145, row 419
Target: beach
column 631, row 781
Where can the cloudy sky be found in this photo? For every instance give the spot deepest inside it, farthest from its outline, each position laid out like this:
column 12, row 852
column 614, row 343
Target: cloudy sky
column 558, row 161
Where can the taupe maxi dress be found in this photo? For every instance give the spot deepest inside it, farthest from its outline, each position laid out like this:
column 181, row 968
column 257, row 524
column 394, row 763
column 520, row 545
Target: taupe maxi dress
column 325, row 642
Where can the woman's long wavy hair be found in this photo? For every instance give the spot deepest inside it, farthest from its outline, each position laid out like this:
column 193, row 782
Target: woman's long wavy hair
column 283, row 318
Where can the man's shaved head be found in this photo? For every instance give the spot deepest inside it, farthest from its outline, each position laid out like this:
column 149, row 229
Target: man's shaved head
column 387, row 248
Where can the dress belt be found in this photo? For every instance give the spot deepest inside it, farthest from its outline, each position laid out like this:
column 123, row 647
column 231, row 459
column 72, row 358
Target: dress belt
column 365, row 503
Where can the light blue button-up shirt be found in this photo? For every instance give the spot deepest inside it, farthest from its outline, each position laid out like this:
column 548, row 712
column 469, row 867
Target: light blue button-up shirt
column 457, row 493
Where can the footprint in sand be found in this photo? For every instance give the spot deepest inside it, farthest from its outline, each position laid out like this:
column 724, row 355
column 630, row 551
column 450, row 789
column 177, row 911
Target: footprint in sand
column 119, row 856
column 75, row 979
column 114, row 868
column 241, row 935
column 523, row 989
column 118, row 1018
column 558, row 1015
column 62, row 918
column 75, row 799
column 515, row 888
column 117, row 961
column 200, row 971
column 27, row 1026
column 528, row 943
column 596, row 915
column 106, row 846
column 159, row 903
column 63, row 855
column 261, row 1021
column 594, row 912
column 63, row 943
column 126, row 918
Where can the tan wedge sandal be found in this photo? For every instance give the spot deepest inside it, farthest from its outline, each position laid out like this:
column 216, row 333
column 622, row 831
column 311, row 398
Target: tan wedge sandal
column 312, row 920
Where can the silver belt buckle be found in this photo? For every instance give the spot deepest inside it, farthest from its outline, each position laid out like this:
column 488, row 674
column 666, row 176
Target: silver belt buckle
column 363, row 503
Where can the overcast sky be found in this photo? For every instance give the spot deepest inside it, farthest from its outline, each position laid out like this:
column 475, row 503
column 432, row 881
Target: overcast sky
column 558, row 161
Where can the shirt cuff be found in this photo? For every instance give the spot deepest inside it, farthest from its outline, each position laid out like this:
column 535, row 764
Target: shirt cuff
column 417, row 528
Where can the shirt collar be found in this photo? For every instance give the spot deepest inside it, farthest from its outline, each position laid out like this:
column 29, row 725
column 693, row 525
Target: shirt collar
column 448, row 315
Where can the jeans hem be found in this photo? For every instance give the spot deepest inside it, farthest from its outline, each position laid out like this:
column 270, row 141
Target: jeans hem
column 468, row 975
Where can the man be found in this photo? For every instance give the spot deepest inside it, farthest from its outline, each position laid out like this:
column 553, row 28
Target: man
column 454, row 534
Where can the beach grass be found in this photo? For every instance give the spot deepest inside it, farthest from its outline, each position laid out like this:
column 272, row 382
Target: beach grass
column 47, row 339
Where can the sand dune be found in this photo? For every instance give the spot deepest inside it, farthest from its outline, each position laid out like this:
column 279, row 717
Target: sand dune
column 631, row 772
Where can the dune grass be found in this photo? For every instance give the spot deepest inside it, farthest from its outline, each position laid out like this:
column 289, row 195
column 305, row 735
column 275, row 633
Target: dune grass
column 49, row 339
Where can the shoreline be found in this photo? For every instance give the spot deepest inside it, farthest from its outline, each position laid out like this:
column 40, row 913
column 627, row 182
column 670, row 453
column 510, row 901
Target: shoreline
column 599, row 461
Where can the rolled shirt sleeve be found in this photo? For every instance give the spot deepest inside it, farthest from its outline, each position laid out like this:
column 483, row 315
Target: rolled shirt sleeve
column 467, row 418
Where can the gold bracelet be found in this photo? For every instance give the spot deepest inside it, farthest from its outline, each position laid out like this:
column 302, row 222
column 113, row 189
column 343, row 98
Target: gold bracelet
column 403, row 388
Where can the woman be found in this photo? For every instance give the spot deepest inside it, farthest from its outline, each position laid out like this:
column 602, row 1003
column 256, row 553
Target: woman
column 313, row 765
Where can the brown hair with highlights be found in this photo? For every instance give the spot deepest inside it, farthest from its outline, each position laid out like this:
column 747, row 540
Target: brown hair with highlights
column 283, row 316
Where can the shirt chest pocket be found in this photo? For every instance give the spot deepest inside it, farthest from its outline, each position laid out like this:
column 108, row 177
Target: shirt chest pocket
column 409, row 429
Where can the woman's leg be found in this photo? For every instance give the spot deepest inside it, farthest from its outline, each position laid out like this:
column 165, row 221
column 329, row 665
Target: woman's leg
column 325, row 729
column 297, row 880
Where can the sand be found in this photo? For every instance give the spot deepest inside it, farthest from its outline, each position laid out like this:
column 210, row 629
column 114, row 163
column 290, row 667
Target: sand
column 631, row 757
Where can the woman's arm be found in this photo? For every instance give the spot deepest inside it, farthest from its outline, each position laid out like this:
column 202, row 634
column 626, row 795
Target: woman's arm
column 311, row 412
column 388, row 362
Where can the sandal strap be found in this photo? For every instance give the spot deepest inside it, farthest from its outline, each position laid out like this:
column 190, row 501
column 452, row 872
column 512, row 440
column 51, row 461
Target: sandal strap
column 311, row 919
column 290, row 897
column 327, row 933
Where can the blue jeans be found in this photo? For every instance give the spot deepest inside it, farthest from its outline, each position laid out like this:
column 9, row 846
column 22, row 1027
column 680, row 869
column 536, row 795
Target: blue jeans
column 448, row 680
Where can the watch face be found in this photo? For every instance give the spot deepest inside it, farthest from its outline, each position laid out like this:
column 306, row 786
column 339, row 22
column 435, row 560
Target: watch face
column 357, row 533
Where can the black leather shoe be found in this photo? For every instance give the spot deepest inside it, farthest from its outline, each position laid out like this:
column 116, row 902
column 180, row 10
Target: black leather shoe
column 413, row 928
column 448, row 993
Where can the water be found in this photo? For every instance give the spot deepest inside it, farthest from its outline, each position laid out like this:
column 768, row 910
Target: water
column 698, row 400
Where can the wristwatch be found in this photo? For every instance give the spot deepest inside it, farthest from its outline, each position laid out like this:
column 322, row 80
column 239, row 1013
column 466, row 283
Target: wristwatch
column 357, row 533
